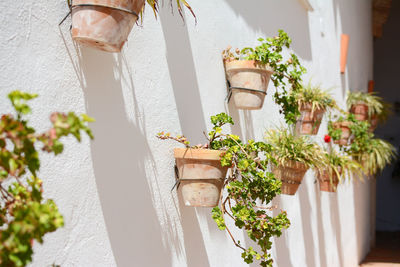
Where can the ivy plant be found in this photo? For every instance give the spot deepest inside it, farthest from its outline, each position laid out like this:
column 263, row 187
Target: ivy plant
column 287, row 72
column 25, row 215
column 336, row 133
column 250, row 187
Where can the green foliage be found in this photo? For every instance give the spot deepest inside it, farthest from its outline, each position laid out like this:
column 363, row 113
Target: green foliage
column 314, row 95
column 250, row 187
column 24, row 215
column 287, row 73
column 372, row 153
column 286, row 146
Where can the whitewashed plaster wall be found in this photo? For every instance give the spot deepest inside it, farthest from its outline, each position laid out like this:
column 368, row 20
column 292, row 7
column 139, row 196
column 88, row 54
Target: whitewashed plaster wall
column 115, row 191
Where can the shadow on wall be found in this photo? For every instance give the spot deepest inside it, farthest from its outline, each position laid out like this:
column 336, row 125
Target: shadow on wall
column 362, row 229
column 292, row 17
column 191, row 117
column 281, row 243
column 119, row 167
column 306, row 222
column 320, row 228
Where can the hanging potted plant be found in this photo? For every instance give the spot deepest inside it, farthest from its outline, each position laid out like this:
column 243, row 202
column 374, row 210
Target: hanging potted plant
column 106, row 24
column 294, row 155
column 339, row 129
column 336, row 167
column 370, row 152
column 313, row 102
column 250, row 187
column 368, row 106
column 249, row 71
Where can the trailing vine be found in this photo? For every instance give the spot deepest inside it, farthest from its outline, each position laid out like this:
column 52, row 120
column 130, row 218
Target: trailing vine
column 250, row 188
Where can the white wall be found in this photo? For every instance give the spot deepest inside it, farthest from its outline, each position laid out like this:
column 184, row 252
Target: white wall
column 115, row 191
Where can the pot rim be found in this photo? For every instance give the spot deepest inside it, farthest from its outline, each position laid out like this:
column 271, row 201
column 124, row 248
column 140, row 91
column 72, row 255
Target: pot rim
column 198, row 153
column 239, row 64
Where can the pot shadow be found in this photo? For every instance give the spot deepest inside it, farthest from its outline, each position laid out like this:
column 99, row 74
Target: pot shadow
column 306, row 215
column 121, row 180
column 188, row 103
column 266, row 17
column 336, row 226
column 361, row 191
column 282, row 254
column 321, row 235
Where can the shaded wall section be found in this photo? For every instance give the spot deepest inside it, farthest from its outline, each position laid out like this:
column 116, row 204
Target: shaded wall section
column 386, row 58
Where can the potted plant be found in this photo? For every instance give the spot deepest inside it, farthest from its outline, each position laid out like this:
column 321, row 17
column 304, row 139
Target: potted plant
column 250, row 187
column 336, row 167
column 313, row 102
column 339, row 129
column 106, row 24
column 368, row 106
column 25, row 215
column 250, row 69
column 294, row 155
column 370, row 152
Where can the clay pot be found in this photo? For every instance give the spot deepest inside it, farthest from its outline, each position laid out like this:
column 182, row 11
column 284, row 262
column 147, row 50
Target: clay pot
column 248, row 74
column 373, row 122
column 326, row 182
column 202, row 176
column 309, row 121
column 346, row 132
column 104, row 26
column 360, row 111
column 291, row 176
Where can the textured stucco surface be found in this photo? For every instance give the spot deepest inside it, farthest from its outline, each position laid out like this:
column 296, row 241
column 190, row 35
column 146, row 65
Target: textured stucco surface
column 115, row 191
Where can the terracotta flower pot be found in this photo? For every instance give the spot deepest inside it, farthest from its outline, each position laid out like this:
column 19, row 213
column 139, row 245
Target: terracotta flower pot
column 374, row 123
column 248, row 74
column 104, row 24
column 202, row 176
column 326, row 182
column 309, row 121
column 360, row 111
column 291, row 176
column 346, row 132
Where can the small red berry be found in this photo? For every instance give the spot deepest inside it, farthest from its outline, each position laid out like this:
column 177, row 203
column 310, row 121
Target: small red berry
column 327, row 138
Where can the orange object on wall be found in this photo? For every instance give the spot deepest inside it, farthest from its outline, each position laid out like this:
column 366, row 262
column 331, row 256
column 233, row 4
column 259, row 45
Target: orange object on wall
column 344, row 47
column 371, row 85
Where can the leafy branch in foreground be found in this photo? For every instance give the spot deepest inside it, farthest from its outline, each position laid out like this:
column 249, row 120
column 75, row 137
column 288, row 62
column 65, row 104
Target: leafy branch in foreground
column 250, row 188
column 25, row 215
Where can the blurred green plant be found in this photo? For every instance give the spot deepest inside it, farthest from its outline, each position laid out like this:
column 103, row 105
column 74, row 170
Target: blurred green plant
column 25, row 215
column 377, row 107
column 287, row 73
column 250, row 188
column 372, row 153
